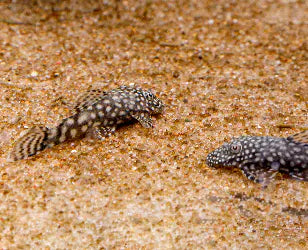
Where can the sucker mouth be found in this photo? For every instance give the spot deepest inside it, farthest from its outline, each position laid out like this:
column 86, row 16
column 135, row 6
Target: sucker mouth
column 213, row 165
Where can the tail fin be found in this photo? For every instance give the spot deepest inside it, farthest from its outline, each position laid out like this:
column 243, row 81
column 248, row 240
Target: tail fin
column 30, row 143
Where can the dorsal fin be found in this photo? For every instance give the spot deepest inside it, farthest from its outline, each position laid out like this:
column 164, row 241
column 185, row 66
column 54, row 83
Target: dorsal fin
column 301, row 137
column 87, row 99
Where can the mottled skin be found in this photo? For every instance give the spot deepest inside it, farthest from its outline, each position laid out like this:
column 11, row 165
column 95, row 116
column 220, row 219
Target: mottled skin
column 261, row 157
column 95, row 112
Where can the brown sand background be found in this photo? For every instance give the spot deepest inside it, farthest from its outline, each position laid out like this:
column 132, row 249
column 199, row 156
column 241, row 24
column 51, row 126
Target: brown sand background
column 223, row 68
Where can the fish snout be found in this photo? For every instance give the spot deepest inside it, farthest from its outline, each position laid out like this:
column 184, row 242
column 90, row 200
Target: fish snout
column 211, row 160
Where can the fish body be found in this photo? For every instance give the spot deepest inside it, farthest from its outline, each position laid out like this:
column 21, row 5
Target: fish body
column 260, row 158
column 96, row 112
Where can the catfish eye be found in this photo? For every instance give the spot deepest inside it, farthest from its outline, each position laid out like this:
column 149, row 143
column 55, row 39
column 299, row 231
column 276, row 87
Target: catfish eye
column 236, row 148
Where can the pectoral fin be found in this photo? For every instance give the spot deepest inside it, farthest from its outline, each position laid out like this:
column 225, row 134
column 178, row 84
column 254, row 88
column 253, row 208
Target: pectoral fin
column 144, row 118
column 257, row 173
column 102, row 132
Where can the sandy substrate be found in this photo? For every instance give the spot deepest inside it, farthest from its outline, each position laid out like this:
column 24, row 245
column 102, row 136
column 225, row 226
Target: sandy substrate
column 223, row 68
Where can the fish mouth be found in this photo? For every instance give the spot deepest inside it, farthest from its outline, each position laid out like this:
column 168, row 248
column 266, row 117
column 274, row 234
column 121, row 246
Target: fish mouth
column 214, row 165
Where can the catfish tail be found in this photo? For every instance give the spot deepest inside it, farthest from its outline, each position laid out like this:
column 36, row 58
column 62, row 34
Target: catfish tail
column 30, row 143
column 38, row 138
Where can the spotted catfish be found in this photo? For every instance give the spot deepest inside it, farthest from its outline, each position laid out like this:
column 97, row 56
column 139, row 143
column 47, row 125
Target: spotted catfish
column 97, row 112
column 260, row 158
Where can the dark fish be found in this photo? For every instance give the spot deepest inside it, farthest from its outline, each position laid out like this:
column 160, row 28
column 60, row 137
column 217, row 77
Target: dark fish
column 97, row 112
column 260, row 158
